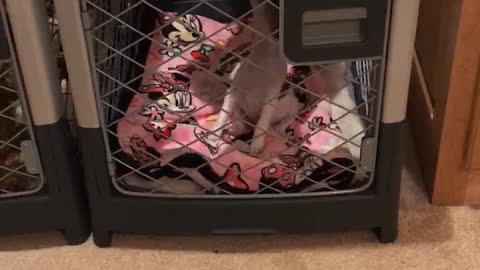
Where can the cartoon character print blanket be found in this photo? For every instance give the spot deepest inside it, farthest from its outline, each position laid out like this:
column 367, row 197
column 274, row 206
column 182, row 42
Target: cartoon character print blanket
column 166, row 126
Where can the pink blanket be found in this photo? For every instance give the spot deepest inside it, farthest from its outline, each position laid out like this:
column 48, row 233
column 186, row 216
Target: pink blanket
column 168, row 119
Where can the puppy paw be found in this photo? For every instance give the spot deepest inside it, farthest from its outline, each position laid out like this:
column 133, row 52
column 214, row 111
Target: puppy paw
column 257, row 145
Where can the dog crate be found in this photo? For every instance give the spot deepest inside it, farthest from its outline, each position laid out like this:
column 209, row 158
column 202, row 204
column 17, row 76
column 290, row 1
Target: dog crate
column 40, row 186
column 149, row 78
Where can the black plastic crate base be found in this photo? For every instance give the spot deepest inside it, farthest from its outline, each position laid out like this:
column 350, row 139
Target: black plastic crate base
column 61, row 204
column 376, row 208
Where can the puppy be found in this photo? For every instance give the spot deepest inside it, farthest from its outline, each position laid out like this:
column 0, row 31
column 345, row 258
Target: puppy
column 343, row 106
column 256, row 88
column 344, row 113
column 254, row 92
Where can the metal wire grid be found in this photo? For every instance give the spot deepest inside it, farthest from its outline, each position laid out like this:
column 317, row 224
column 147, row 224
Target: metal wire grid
column 15, row 128
column 117, row 35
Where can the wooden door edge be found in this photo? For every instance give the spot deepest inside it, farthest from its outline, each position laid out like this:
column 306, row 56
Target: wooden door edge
column 453, row 175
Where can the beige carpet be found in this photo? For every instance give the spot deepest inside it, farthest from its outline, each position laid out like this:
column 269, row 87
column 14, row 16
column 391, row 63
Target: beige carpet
column 430, row 238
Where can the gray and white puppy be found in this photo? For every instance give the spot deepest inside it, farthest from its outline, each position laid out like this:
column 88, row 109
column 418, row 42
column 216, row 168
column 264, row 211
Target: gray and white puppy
column 256, row 85
column 257, row 82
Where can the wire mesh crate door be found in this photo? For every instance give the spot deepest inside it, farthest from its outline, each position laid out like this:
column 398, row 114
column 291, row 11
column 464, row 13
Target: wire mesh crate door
column 20, row 172
column 165, row 70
